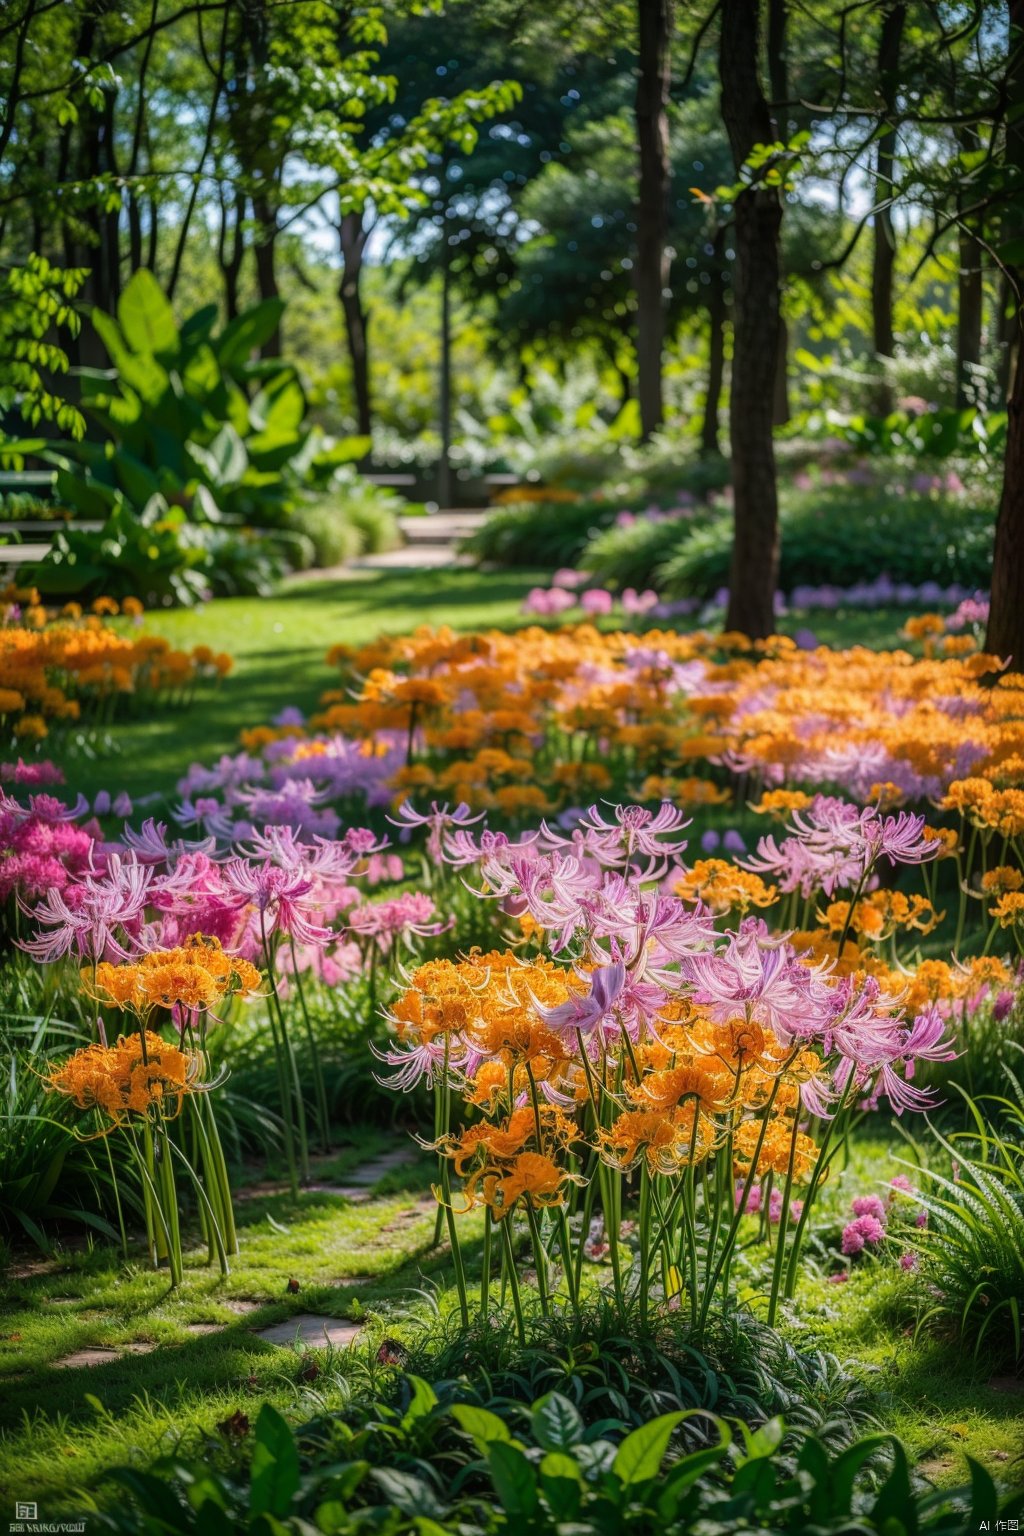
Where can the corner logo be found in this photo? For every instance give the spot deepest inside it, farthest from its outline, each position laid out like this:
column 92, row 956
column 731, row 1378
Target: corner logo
column 26, row 1511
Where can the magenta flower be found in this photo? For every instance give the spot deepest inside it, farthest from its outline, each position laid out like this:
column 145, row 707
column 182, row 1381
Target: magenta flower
column 869, row 1205
column 282, row 901
column 866, row 1231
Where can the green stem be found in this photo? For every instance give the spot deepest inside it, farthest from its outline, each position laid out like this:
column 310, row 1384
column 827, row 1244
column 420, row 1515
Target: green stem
column 513, row 1278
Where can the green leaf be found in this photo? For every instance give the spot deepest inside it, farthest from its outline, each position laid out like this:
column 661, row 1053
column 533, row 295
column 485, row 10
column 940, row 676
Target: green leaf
column 146, row 317
column 562, row 1482
column 515, row 1481
column 411, row 1494
column 485, row 1427
column 275, row 1465
column 422, row 1402
column 764, row 1441
column 243, row 335
column 556, row 1422
column 640, row 1455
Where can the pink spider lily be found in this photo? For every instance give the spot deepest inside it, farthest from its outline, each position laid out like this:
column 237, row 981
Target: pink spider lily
column 282, row 901
column 97, row 918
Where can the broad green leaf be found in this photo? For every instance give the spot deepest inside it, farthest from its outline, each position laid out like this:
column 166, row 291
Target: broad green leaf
column 422, row 1402
column 640, row 1455
column 562, row 1482
column 147, row 318
column 247, row 332
column 556, row 1422
column 484, row 1427
column 514, row 1479
column 274, row 1479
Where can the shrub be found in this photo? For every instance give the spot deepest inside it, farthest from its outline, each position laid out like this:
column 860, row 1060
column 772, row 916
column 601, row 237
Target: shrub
column 539, row 533
column 160, row 558
column 353, row 517
column 911, row 537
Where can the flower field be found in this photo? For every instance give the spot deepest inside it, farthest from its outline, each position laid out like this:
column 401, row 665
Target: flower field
column 668, row 987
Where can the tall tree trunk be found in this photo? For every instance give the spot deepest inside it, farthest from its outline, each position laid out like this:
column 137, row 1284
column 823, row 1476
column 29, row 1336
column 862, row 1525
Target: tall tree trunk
column 444, row 394
column 264, row 251
column 352, row 234
column 651, row 272
column 231, row 249
column 709, row 444
column 1006, row 619
column 778, row 81
column 884, row 253
column 970, row 300
column 1006, row 338
column 758, row 218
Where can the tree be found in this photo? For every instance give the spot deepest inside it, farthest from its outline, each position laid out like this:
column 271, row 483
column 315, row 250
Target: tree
column 884, row 262
column 651, row 268
column 1006, row 616
column 758, row 219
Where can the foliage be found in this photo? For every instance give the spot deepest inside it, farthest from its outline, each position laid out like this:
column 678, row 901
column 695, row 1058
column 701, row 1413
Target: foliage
column 352, row 517
column 861, row 532
column 974, row 1245
column 45, row 1174
column 141, row 555
column 188, row 414
column 433, row 1465
column 539, row 532
column 36, row 299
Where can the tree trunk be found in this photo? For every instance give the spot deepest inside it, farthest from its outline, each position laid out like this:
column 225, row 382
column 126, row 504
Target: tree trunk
column 884, row 254
column 758, row 218
column 970, row 300
column 231, row 249
column 709, row 444
column 266, row 266
column 651, row 271
column 1006, row 339
column 352, row 238
column 1005, row 636
column 444, row 394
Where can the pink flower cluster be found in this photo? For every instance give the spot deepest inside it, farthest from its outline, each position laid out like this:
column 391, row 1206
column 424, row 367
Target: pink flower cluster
column 274, row 896
column 872, row 1217
column 835, row 846
column 43, row 850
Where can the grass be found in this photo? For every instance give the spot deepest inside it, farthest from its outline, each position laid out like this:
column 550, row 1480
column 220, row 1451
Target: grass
column 61, row 1428
column 279, row 644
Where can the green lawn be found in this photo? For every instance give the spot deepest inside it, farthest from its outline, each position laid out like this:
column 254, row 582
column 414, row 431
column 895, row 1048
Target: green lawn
column 279, row 644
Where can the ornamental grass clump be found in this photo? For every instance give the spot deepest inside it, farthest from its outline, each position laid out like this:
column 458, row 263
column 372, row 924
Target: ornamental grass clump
column 630, row 1052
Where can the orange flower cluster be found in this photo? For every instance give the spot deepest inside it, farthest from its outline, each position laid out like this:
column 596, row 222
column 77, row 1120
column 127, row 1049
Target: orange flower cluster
column 528, row 722
column 129, row 1078
column 194, row 977
column 547, row 1108
column 54, row 664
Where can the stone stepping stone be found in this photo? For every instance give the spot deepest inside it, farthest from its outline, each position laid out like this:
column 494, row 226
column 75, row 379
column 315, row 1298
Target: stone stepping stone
column 370, row 1173
column 200, row 1330
column 309, row 1329
column 82, row 1359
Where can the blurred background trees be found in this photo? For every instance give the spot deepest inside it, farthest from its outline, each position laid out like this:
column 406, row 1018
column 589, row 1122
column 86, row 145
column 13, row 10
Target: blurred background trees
column 484, row 225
